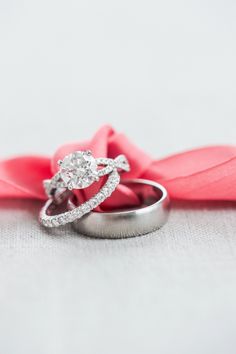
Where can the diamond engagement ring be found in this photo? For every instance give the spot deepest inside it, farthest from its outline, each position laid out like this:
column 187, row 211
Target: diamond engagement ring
column 80, row 170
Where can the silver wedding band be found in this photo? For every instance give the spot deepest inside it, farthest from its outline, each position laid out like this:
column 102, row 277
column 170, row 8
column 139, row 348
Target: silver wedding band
column 150, row 216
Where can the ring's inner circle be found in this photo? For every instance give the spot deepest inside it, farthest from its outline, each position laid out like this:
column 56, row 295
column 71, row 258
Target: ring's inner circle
column 59, row 205
column 146, row 193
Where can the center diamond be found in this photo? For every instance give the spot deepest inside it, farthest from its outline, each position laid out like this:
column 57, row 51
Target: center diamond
column 79, row 170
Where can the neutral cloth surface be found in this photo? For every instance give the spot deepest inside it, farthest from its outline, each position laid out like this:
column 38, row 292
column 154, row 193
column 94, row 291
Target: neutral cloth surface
column 172, row 291
column 164, row 73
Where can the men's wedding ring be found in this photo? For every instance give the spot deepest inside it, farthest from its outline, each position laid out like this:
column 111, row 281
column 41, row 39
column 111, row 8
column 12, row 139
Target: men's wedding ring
column 149, row 216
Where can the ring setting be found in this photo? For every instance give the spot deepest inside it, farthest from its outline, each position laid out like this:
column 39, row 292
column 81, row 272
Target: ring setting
column 78, row 170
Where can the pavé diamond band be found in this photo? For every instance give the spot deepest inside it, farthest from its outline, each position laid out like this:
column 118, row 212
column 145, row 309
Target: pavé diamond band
column 79, row 170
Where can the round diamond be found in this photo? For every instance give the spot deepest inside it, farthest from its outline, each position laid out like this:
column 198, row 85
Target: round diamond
column 78, row 170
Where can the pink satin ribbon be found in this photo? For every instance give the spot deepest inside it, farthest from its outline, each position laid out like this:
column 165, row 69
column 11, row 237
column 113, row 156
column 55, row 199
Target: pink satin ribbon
column 207, row 173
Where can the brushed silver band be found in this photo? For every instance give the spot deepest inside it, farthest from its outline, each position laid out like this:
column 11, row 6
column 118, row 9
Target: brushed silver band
column 130, row 222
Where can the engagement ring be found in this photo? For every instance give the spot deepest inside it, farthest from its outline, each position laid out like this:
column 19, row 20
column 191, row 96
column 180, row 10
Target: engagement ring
column 80, row 170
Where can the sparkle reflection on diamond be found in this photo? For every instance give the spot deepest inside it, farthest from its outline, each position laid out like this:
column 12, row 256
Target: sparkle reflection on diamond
column 79, row 170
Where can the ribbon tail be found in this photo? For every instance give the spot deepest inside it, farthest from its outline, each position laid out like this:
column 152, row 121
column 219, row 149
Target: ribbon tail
column 22, row 177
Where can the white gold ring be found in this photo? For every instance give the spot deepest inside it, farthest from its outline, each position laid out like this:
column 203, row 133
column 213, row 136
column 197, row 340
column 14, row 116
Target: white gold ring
column 128, row 222
column 79, row 170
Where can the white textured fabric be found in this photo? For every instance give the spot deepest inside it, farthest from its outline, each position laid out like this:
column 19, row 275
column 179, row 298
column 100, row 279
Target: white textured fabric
column 164, row 73
column 172, row 291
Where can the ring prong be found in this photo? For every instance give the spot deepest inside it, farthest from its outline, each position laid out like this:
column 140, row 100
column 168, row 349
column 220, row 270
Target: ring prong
column 70, row 187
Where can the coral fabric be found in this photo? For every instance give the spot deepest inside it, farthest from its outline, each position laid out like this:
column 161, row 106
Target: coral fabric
column 201, row 174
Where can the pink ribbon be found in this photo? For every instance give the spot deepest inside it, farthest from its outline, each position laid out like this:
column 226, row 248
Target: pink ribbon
column 207, row 173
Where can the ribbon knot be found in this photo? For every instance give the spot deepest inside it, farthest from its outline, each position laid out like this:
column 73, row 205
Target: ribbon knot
column 200, row 174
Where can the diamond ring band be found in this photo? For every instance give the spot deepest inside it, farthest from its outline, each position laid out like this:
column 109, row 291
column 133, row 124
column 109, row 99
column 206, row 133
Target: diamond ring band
column 80, row 170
